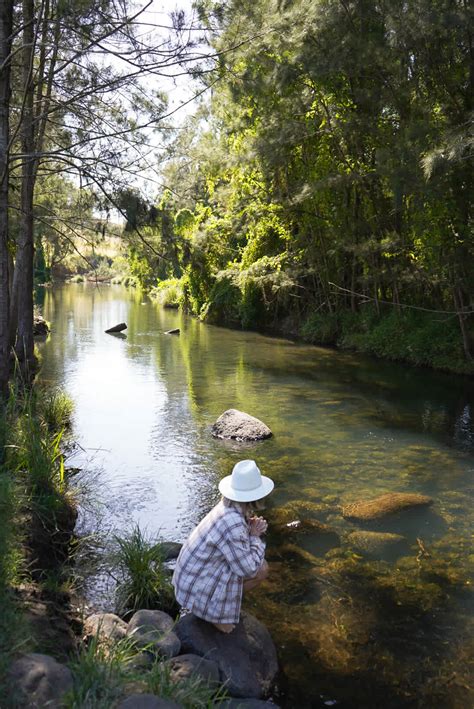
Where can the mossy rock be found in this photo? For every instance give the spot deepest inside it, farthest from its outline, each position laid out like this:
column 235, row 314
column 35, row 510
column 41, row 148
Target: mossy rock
column 392, row 503
column 378, row 545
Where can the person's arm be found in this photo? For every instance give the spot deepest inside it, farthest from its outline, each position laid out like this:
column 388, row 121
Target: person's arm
column 244, row 552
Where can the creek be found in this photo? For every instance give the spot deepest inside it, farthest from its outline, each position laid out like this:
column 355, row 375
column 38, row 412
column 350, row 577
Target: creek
column 351, row 631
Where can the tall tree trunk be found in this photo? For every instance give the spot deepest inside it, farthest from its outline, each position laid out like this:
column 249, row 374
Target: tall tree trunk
column 459, row 305
column 23, row 281
column 6, row 18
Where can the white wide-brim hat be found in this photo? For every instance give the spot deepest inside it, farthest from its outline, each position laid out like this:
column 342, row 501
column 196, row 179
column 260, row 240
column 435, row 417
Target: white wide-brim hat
column 246, row 484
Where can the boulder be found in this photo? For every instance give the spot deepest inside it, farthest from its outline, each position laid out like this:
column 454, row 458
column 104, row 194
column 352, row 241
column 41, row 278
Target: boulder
column 174, row 331
column 40, row 681
column 170, row 550
column 147, row 701
column 247, row 704
column 153, row 631
column 118, row 328
column 106, row 627
column 392, row 503
column 238, row 425
column 185, row 666
column 40, row 326
column 246, row 657
column 378, row 545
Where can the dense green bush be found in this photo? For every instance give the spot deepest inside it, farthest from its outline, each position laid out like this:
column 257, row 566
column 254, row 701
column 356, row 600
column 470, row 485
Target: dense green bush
column 169, row 293
column 417, row 337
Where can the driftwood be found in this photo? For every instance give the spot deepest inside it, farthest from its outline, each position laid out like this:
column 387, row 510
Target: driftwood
column 117, row 328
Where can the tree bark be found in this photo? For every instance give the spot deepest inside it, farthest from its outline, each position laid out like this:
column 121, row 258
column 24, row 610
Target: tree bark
column 23, row 280
column 6, row 20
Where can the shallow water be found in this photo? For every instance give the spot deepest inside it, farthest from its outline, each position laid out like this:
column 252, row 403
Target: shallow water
column 352, row 631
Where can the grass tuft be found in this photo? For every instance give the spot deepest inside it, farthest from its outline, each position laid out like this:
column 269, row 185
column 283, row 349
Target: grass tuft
column 192, row 692
column 56, row 409
column 100, row 674
column 144, row 581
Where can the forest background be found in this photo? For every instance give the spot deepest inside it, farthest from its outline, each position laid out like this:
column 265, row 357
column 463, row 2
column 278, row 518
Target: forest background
column 323, row 188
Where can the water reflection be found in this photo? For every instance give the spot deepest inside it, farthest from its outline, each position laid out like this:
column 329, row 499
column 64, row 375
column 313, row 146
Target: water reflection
column 362, row 632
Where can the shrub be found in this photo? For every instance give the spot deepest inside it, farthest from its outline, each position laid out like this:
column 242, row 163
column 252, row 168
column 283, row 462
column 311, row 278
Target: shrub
column 321, row 328
column 169, row 293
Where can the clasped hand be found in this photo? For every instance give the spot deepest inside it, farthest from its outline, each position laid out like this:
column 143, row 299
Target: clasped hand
column 258, row 526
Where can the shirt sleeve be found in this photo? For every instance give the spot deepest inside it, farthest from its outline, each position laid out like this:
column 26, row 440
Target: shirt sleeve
column 243, row 552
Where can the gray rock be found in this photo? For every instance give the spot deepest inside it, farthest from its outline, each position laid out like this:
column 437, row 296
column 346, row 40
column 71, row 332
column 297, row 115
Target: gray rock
column 238, row 425
column 147, row 701
column 140, row 662
column 174, row 331
column 246, row 657
column 392, row 503
column 105, row 626
column 118, row 328
column 247, row 704
column 379, row 545
column 40, row 680
column 184, row 666
column 153, row 630
column 170, row 550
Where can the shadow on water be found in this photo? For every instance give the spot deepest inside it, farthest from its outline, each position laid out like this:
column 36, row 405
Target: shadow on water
column 355, row 628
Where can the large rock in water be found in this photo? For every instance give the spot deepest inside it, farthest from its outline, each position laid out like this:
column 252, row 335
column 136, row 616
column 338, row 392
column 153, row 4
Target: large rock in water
column 240, row 426
column 378, row 545
column 170, row 550
column 153, row 631
column 117, row 328
column 40, row 681
column 246, row 657
column 386, row 505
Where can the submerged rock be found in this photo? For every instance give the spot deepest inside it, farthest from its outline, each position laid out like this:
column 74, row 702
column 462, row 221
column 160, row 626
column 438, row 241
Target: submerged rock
column 185, row 666
column 107, row 627
column 235, row 424
column 391, row 503
column 147, row 701
column 117, row 328
column 246, row 657
column 40, row 326
column 380, row 545
column 313, row 536
column 153, row 631
column 40, row 681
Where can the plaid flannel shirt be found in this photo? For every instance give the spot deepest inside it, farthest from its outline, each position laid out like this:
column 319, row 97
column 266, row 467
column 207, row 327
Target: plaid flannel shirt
column 213, row 563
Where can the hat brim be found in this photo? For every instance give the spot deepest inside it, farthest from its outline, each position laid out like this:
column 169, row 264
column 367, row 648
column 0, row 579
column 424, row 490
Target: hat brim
column 264, row 489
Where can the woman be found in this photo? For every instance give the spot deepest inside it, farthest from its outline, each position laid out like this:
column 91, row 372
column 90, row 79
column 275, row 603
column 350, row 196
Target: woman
column 225, row 553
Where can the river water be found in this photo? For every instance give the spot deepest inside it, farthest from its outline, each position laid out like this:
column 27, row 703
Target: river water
column 352, row 631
